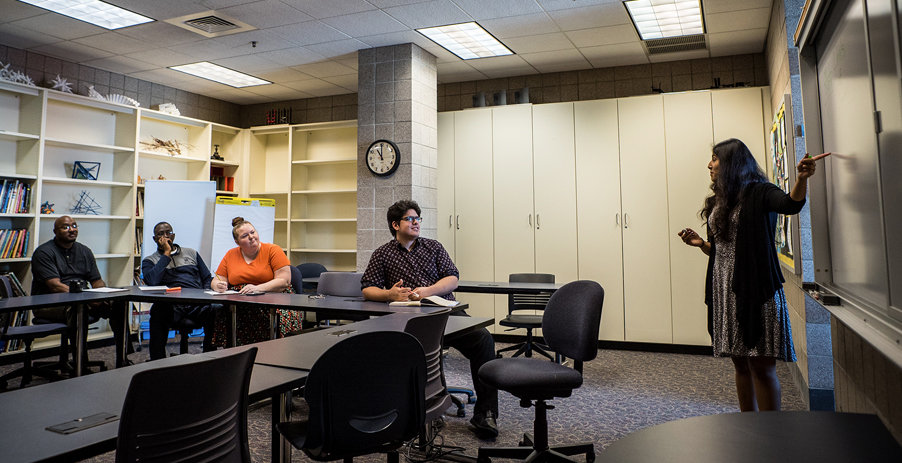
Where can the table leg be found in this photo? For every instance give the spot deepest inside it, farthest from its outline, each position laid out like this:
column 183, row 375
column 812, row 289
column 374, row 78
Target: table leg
column 273, row 319
column 126, row 333
column 281, row 412
column 80, row 338
column 234, row 333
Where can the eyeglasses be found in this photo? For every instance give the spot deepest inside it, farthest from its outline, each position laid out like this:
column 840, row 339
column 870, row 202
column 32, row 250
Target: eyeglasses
column 411, row 219
column 164, row 233
column 74, row 226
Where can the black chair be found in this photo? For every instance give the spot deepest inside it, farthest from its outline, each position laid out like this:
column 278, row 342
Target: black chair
column 523, row 302
column 343, row 284
column 191, row 412
column 429, row 330
column 366, row 395
column 27, row 335
column 297, row 280
column 570, row 326
column 311, row 270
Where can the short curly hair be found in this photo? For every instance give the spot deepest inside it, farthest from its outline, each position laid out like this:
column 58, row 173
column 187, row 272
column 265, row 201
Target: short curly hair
column 396, row 213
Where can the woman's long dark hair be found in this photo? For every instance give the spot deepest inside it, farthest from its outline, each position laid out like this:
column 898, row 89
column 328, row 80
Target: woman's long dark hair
column 738, row 169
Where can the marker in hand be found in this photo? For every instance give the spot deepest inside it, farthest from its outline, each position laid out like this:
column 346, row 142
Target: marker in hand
column 819, row 156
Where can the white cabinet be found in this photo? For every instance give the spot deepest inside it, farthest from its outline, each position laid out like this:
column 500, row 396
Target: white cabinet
column 445, row 181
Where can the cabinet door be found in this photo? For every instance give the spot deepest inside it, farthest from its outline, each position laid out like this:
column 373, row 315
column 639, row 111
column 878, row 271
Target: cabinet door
column 554, row 170
column 737, row 114
column 688, row 134
column 599, row 236
column 473, row 204
column 646, row 240
column 445, row 184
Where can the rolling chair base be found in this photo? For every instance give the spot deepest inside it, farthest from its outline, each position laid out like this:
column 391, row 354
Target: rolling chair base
column 525, row 349
column 471, row 399
column 527, row 453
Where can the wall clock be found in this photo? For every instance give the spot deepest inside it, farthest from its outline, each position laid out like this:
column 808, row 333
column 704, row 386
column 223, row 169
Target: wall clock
column 383, row 158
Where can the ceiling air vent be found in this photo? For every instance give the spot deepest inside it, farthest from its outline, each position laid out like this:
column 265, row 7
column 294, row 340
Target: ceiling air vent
column 675, row 44
column 210, row 24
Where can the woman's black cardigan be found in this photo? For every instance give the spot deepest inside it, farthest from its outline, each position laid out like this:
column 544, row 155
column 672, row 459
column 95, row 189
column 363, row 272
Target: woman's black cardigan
column 756, row 270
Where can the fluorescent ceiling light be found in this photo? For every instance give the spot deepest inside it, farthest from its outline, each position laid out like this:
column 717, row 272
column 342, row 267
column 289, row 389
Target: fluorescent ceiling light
column 467, row 40
column 92, row 11
column 217, row 73
column 658, row 19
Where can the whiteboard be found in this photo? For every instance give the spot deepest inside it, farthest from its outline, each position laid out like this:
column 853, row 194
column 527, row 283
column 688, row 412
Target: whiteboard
column 262, row 217
column 187, row 206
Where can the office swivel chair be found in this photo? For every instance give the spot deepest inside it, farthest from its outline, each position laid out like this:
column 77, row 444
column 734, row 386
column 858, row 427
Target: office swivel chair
column 343, row 284
column 350, row 416
column 191, row 412
column 570, row 326
column 524, row 302
column 429, row 329
column 311, row 270
column 27, row 335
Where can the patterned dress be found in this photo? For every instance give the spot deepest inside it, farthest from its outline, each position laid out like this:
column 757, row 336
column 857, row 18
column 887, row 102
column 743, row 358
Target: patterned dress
column 776, row 338
column 253, row 324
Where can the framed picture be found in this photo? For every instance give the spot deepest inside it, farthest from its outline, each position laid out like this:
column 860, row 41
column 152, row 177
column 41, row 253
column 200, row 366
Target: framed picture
column 784, row 176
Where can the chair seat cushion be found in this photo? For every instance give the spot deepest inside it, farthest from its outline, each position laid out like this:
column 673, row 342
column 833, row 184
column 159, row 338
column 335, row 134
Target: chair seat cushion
column 35, row 331
column 522, row 321
column 529, row 378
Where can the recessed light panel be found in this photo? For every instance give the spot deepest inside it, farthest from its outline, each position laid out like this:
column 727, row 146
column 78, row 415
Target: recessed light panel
column 658, row 19
column 217, row 73
column 467, row 40
column 92, row 11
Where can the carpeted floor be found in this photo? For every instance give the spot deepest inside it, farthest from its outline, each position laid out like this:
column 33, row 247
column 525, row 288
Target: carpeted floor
column 622, row 392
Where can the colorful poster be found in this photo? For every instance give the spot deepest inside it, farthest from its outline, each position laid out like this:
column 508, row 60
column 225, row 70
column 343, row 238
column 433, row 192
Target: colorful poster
column 783, row 176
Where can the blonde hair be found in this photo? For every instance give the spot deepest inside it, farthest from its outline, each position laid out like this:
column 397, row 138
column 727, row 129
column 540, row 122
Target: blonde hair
column 237, row 223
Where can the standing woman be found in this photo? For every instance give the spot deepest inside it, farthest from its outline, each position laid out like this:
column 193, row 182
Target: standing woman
column 747, row 314
column 250, row 268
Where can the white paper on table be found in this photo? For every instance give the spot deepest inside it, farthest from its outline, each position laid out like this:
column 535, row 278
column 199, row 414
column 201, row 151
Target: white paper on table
column 104, row 290
column 153, row 288
column 216, row 293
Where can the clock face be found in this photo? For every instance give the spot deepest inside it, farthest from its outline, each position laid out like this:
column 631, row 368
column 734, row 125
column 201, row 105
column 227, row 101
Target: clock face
column 383, row 158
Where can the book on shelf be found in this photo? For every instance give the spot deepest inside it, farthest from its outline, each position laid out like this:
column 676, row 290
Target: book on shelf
column 13, row 243
column 435, row 301
column 15, row 197
column 139, row 241
column 139, row 204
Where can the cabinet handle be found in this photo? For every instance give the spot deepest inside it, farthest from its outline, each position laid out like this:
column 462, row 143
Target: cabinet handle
column 450, row 220
column 617, row 219
column 458, row 222
column 530, row 220
column 626, row 220
column 538, row 226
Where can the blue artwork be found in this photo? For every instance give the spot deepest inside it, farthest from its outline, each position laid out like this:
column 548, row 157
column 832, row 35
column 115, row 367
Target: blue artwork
column 85, row 205
column 85, row 170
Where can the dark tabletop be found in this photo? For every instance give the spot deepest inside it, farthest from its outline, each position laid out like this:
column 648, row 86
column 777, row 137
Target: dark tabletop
column 763, row 437
column 503, row 287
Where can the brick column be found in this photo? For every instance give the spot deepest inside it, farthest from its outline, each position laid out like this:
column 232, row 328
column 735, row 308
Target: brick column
column 397, row 102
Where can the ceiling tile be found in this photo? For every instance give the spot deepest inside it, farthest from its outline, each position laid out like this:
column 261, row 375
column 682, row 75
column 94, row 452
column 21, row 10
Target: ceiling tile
column 115, row 43
column 442, row 55
column 520, row 26
column 161, row 9
column 277, row 92
column 266, row 13
column 610, row 14
column 219, row 4
column 14, row 10
column 678, row 56
column 539, row 43
column 366, row 23
column 348, row 82
column 199, row 86
column 161, row 34
column 351, row 61
column 557, row 61
column 239, row 96
column 71, row 51
column 604, row 36
column 283, row 75
column 396, row 38
column 458, row 72
column 737, row 43
column 482, row 9
column 20, row 37
column 317, row 87
column 309, row 32
column 429, row 14
column 325, row 69
column 265, row 41
column 205, row 50
column 390, row 3
column 737, row 20
column 552, row 5
column 623, row 54
column 292, row 56
column 250, row 64
column 161, row 57
column 161, row 76
column 502, row 66
column 337, row 48
column 120, row 64
column 720, row 6
column 57, row 25
column 326, row 9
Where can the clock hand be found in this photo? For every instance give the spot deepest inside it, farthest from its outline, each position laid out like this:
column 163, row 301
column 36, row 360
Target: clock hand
column 380, row 154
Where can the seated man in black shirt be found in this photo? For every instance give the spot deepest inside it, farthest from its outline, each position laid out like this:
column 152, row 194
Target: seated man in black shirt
column 410, row 268
column 173, row 265
column 61, row 261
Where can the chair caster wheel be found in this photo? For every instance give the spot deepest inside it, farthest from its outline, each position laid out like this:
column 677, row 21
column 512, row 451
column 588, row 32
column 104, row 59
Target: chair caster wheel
column 590, row 457
column 523, row 443
column 482, row 459
column 499, row 356
column 461, row 413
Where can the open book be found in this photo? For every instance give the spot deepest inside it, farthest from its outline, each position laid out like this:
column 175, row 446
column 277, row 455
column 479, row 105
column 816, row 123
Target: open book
column 429, row 300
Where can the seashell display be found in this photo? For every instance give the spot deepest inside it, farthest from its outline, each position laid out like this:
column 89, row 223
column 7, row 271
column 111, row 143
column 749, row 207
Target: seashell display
column 94, row 93
column 122, row 99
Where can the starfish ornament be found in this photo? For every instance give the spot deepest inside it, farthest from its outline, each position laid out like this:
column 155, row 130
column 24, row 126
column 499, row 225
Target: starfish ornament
column 61, row 84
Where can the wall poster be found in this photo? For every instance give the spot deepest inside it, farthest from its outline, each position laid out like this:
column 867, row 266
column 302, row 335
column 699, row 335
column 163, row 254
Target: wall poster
column 783, row 165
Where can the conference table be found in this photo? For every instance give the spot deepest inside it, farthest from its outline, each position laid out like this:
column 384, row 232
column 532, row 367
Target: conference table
column 277, row 371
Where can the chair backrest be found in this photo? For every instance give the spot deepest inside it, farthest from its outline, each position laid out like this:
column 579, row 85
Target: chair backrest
column 6, row 291
column 571, row 320
column 196, row 410
column 297, row 280
column 429, row 329
column 346, row 284
column 365, row 393
column 311, row 270
column 528, row 301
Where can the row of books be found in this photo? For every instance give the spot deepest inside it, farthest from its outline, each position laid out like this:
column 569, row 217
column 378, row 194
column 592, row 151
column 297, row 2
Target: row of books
column 13, row 243
column 15, row 197
column 19, row 318
column 139, row 241
column 139, row 206
column 223, row 183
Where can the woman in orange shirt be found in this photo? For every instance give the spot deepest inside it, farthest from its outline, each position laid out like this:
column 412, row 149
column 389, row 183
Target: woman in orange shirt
column 254, row 267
